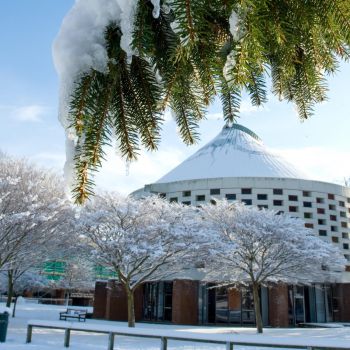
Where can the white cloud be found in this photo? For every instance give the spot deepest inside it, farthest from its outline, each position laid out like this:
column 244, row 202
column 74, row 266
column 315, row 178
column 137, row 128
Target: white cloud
column 27, row 113
column 115, row 175
column 50, row 160
column 248, row 108
column 30, row 113
column 320, row 163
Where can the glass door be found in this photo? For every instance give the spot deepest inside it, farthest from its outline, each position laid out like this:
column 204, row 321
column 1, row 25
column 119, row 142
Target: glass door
column 299, row 304
column 150, row 301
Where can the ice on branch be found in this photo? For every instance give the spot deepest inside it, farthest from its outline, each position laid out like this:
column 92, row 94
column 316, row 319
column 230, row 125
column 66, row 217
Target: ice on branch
column 80, row 47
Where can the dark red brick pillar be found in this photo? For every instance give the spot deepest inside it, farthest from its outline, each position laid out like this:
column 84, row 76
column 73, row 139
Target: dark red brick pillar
column 59, row 294
column 117, row 303
column 100, row 300
column 278, row 306
column 343, row 294
column 234, row 299
column 185, row 302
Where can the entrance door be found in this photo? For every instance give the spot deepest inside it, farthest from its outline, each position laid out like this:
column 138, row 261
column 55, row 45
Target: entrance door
column 299, row 304
column 158, row 301
column 150, row 301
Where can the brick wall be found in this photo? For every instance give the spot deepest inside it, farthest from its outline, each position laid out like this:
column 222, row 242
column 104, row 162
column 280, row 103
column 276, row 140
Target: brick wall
column 185, row 302
column 278, row 306
column 100, row 299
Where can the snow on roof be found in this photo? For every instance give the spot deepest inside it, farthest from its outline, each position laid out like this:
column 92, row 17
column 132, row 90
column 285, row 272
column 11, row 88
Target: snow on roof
column 235, row 152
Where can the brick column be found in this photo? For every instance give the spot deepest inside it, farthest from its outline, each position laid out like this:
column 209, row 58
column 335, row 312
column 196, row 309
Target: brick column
column 117, row 303
column 278, row 306
column 185, row 302
column 343, row 292
column 234, row 299
column 100, row 300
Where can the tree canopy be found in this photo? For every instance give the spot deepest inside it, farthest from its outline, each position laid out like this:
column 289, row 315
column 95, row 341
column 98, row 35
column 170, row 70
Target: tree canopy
column 182, row 53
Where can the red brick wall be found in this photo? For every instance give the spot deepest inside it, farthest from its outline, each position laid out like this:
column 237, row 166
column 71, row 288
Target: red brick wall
column 342, row 291
column 100, row 299
column 116, row 302
column 278, row 306
column 185, row 302
column 234, row 299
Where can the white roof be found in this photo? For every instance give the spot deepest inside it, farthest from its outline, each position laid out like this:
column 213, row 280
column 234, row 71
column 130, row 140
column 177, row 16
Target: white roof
column 235, row 152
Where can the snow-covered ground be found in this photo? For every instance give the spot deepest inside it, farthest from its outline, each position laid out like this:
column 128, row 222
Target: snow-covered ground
column 46, row 339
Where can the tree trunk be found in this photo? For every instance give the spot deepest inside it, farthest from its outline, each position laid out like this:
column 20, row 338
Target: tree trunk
column 131, row 307
column 9, row 289
column 258, row 319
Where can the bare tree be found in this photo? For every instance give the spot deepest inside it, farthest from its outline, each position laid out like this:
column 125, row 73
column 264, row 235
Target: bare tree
column 258, row 247
column 142, row 240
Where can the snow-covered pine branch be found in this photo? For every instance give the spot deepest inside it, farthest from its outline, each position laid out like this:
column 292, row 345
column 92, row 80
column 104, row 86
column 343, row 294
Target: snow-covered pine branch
column 258, row 247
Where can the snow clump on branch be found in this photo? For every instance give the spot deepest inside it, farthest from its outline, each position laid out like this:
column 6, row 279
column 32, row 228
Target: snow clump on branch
column 80, row 47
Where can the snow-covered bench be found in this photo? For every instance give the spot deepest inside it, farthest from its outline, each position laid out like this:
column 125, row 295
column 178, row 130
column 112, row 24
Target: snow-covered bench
column 228, row 340
column 73, row 313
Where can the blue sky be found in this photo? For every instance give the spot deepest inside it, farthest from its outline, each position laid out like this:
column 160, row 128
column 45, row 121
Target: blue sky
column 29, row 99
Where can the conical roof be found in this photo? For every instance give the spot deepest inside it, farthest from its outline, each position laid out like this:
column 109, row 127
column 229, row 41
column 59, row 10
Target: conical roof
column 235, row 152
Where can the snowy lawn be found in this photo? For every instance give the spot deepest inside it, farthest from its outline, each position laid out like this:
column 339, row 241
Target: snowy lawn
column 46, row 339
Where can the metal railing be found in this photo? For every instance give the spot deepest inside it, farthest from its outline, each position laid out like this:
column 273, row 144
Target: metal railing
column 164, row 336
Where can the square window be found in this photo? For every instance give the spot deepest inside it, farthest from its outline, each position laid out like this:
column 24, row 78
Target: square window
column 277, row 191
column 320, row 211
column 334, row 228
column 320, row 200
column 247, row 201
column 186, row 203
column 293, row 198
column 186, row 194
column 345, row 245
column 348, row 200
column 309, row 225
column 213, row 201
column 262, row 197
column 345, row 235
column 173, row 200
column 246, row 191
column 215, row 191
column 347, row 257
column 263, row 206
column 277, row 203
column 341, row 203
column 342, row 214
column 335, row 239
column 331, row 207
column 307, row 204
column 321, row 221
column 280, row 212
column 322, row 232
column 330, row 196
column 308, row 215
column 293, row 209
column 230, row 196
column 333, row 217
column 162, row 195
column 200, row 198
column 306, row 193
column 344, row 224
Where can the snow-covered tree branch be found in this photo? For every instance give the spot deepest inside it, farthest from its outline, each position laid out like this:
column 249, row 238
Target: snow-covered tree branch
column 142, row 240
column 34, row 216
column 258, row 247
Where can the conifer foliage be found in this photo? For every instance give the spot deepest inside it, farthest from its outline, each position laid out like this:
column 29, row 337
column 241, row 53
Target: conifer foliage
column 183, row 53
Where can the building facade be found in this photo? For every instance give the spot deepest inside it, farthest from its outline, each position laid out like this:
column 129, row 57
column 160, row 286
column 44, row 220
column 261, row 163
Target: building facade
column 237, row 166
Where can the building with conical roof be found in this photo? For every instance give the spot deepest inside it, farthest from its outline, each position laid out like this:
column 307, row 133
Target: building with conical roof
column 237, row 166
